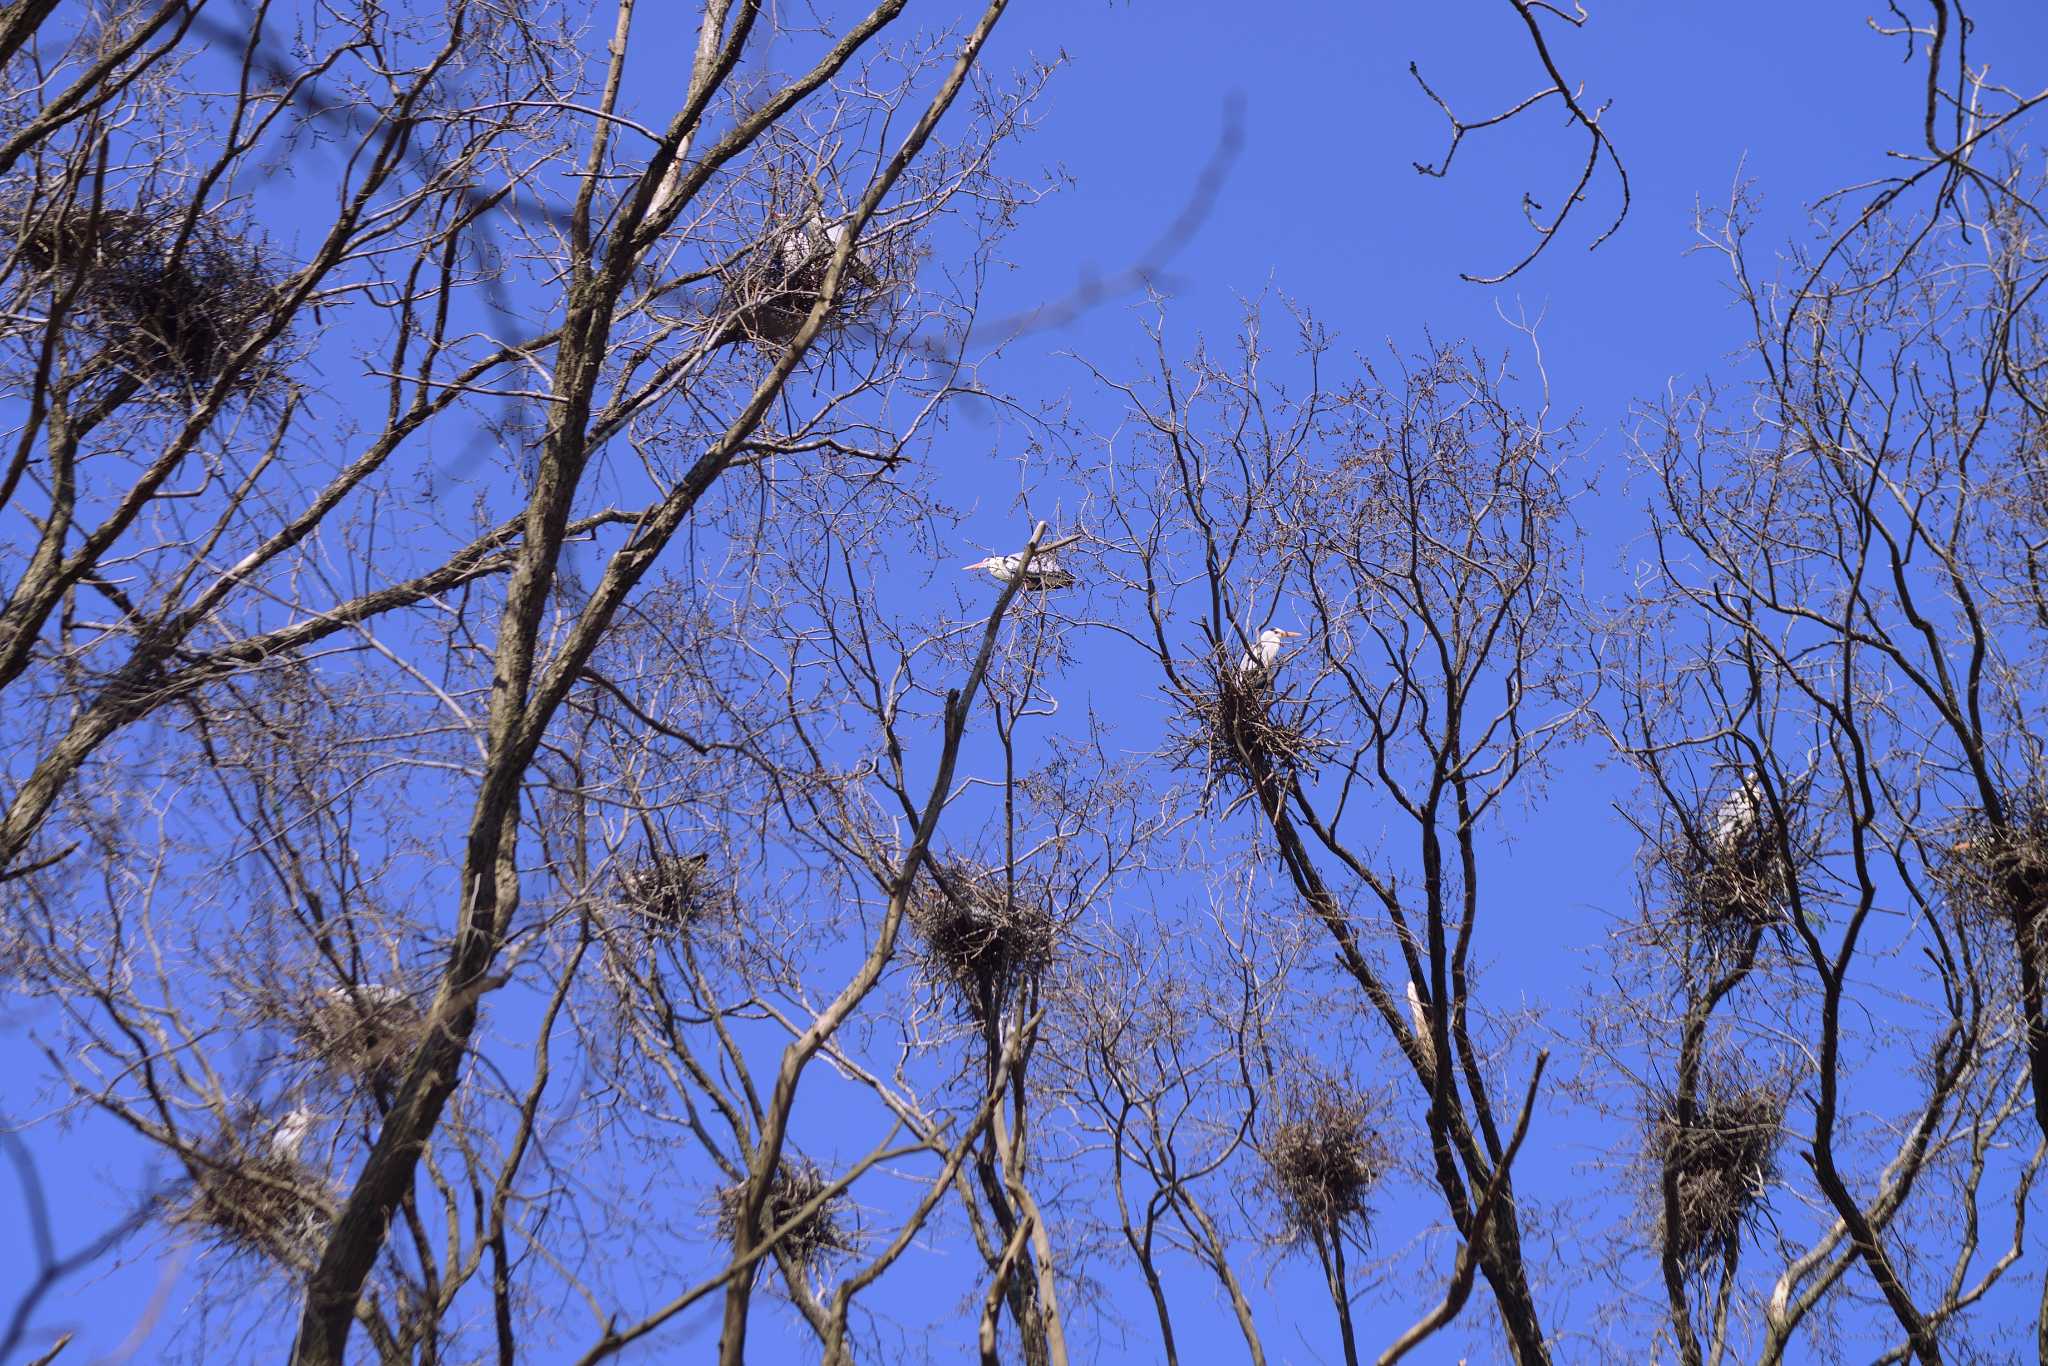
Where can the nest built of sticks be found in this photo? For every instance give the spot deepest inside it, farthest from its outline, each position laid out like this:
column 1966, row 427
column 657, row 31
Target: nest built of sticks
column 1721, row 1163
column 980, row 934
column 248, row 1197
column 669, row 894
column 768, row 297
column 822, row 1235
column 1732, row 880
column 365, row 1031
column 1996, row 872
column 1323, row 1157
column 171, row 305
column 1246, row 745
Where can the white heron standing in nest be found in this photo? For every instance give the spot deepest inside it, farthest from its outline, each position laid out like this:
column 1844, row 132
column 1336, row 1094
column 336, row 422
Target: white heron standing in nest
column 1263, row 658
column 1043, row 574
column 1737, row 818
column 291, row 1134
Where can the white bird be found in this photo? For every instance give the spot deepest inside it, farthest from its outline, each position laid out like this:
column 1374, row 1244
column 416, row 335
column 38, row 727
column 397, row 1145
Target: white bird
column 1418, row 1015
column 1042, row 574
column 1735, row 820
column 291, row 1134
column 1264, row 656
column 370, row 994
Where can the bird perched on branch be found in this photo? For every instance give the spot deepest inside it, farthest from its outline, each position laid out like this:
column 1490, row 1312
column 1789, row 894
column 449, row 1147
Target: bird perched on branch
column 1737, row 818
column 1044, row 573
column 1263, row 658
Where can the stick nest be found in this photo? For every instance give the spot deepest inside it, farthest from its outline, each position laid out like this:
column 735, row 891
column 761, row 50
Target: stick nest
column 669, row 894
column 1723, row 1161
column 1245, row 745
column 173, row 313
column 980, row 935
column 1727, row 890
column 1323, row 1157
column 366, row 1031
column 811, row 1242
column 767, row 297
column 1997, row 872
column 245, row 1197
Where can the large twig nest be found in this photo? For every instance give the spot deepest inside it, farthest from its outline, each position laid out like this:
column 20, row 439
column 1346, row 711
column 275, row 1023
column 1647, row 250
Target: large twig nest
column 1246, row 743
column 981, row 934
column 669, row 894
column 766, row 299
column 1732, row 871
column 824, row 1233
column 167, row 305
column 1723, row 1161
column 365, row 1031
column 1323, row 1157
column 247, row 1195
column 1997, row 872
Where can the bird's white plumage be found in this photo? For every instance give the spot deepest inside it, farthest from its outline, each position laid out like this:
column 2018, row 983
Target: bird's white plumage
column 1735, row 820
column 1264, row 655
column 1044, row 572
column 291, row 1134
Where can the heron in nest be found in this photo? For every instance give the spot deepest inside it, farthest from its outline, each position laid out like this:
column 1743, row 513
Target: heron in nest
column 1263, row 658
column 1043, row 573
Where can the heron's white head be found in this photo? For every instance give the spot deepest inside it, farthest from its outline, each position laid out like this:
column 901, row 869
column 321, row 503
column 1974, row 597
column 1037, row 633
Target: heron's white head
column 992, row 563
column 1273, row 635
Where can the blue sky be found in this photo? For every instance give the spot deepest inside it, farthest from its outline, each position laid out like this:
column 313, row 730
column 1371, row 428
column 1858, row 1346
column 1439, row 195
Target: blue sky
column 1322, row 205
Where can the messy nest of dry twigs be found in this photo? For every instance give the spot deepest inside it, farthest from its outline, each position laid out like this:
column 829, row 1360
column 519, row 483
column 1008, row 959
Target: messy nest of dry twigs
column 979, row 933
column 767, row 297
column 1244, row 741
column 365, row 1031
column 1725, row 892
column 247, row 1197
column 669, row 894
column 1323, row 1156
column 824, row 1233
column 1997, row 872
column 169, row 304
column 1723, row 1161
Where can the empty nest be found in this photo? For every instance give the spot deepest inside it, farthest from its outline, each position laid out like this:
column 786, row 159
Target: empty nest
column 1323, row 1157
column 366, row 1032
column 168, row 306
column 247, row 1198
column 1723, row 1161
column 768, row 297
column 822, row 1235
column 1997, row 872
column 980, row 934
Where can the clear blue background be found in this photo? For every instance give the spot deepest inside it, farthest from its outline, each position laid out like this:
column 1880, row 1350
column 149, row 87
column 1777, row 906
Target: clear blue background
column 1323, row 205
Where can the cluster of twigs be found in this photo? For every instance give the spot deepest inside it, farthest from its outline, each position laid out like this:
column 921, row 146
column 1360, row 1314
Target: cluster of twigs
column 824, row 1233
column 669, row 894
column 1721, row 1162
column 1323, row 1157
column 980, row 933
column 362, row 1031
column 248, row 1197
column 170, row 303
column 1246, row 744
column 766, row 298
column 1996, row 872
column 1724, row 890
